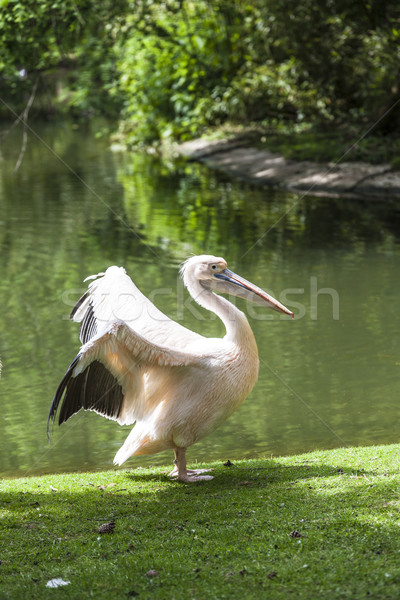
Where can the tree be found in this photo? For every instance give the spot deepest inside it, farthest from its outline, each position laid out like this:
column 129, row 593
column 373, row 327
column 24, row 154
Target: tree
column 41, row 37
column 170, row 68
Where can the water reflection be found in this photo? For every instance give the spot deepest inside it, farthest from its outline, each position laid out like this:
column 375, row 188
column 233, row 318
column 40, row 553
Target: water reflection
column 324, row 381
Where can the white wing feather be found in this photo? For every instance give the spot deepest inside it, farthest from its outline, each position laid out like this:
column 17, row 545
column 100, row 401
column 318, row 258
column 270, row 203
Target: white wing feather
column 127, row 343
column 114, row 297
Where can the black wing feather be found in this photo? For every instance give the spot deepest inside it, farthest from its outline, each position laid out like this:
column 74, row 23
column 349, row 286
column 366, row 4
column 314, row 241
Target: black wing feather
column 89, row 323
column 93, row 389
column 78, row 304
column 59, row 393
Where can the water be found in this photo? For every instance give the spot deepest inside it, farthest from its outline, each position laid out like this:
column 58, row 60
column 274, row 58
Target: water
column 328, row 378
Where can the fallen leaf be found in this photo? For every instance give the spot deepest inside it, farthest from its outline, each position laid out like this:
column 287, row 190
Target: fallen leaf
column 107, row 527
column 152, row 573
column 295, row 534
column 272, row 574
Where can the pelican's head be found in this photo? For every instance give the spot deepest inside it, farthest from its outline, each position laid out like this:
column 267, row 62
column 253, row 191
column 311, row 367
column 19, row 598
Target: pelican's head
column 213, row 274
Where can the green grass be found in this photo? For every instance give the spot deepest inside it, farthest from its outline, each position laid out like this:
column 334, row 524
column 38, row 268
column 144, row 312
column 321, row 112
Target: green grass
column 329, row 146
column 314, row 526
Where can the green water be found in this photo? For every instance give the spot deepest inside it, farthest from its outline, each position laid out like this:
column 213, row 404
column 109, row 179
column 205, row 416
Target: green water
column 328, row 378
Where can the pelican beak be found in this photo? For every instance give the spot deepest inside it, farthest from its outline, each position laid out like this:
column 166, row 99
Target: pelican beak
column 230, row 283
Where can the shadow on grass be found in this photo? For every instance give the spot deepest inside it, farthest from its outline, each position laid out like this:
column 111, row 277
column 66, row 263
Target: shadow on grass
column 264, row 471
column 259, row 527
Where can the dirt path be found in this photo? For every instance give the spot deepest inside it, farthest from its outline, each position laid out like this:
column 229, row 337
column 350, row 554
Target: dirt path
column 347, row 179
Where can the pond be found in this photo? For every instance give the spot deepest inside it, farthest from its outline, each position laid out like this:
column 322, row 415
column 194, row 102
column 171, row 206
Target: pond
column 328, row 378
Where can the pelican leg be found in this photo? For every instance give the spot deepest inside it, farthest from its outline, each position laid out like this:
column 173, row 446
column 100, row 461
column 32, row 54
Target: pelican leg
column 187, row 475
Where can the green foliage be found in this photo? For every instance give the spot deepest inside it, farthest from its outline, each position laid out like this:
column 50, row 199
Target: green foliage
column 189, row 65
column 174, row 66
column 170, row 68
column 59, row 42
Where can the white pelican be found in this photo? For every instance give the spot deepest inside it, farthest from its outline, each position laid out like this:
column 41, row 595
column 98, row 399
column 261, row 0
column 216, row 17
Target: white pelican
column 138, row 366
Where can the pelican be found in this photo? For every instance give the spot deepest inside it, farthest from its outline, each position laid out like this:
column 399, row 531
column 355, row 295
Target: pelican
column 138, row 366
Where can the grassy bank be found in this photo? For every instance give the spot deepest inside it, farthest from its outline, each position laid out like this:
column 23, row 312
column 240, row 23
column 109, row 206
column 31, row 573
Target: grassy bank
column 310, row 143
column 326, row 146
column 318, row 525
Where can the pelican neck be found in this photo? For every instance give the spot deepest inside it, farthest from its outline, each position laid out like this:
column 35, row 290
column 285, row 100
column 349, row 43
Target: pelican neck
column 236, row 324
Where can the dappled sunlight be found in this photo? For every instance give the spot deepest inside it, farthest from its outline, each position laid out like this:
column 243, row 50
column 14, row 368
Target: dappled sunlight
column 301, row 518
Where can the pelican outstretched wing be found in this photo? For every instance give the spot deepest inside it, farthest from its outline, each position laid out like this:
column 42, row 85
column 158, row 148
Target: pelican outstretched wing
column 113, row 296
column 125, row 339
column 107, row 376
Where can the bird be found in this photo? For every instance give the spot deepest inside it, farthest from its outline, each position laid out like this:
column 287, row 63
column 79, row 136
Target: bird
column 137, row 366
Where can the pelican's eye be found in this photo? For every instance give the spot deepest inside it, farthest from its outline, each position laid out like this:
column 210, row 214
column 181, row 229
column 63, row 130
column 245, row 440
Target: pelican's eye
column 216, row 267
